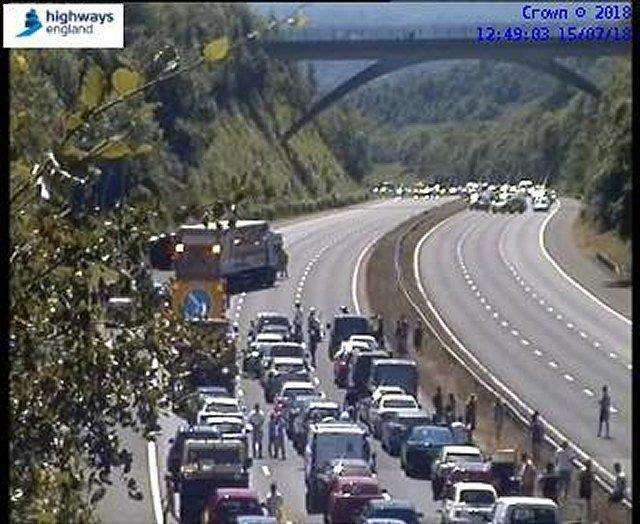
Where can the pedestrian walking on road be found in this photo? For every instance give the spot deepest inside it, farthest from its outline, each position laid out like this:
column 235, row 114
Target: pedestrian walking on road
column 605, row 407
column 450, row 410
column 274, row 500
column 586, row 489
column 537, row 437
column 528, row 474
column 498, row 419
column 564, row 467
column 438, row 405
column 272, row 434
column 470, row 412
column 380, row 331
column 417, row 337
column 280, row 438
column 619, row 486
column 549, row 483
column 257, row 421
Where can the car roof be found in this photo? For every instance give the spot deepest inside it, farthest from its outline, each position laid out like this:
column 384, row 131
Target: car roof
column 263, row 337
column 288, row 360
column 484, row 486
column 539, row 501
column 359, row 479
column 338, row 427
column 197, row 428
column 320, row 404
column 365, row 336
column 244, row 493
column 397, row 396
column 466, row 450
column 222, row 419
column 297, row 384
column 231, row 401
column 347, row 316
column 394, row 361
column 269, row 314
column 413, row 413
column 392, row 503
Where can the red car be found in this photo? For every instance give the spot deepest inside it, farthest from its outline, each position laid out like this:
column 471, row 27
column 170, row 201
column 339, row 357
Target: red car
column 349, row 495
column 228, row 503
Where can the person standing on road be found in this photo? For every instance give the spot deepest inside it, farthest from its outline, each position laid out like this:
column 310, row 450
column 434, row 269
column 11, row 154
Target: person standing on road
column 564, row 466
column 417, row 337
column 272, row 434
column 605, row 406
column 280, row 438
column 380, row 331
column 257, row 421
column 470, row 412
column 498, row 419
column 586, row 489
column 537, row 437
column 404, row 334
column 619, row 486
column 528, row 476
column 438, row 404
column 274, row 501
column 450, row 410
column 549, row 483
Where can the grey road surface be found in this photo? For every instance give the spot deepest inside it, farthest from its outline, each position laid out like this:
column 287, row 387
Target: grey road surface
column 552, row 345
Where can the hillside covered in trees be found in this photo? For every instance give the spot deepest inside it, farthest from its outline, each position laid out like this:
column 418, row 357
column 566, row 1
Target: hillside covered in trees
column 499, row 121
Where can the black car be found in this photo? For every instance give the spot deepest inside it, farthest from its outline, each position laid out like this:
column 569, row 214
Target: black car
column 394, row 372
column 177, row 443
column 402, row 510
column 343, row 327
column 423, row 445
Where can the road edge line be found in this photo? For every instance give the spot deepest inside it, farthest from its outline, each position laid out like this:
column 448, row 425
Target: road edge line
column 355, row 274
column 152, row 462
column 573, row 282
column 558, row 435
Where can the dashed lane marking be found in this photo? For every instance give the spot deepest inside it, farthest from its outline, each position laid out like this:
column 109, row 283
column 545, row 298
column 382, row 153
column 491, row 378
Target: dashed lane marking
column 553, row 364
column 587, row 392
column 613, row 355
column 583, row 334
column 266, row 471
column 559, row 316
column 525, row 342
column 515, row 332
column 570, row 325
column 495, row 315
column 504, row 323
column 596, row 344
column 568, row 377
column 537, row 353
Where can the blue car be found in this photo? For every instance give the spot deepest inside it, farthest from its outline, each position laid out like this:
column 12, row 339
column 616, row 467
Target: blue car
column 396, row 429
column 402, row 510
column 423, row 445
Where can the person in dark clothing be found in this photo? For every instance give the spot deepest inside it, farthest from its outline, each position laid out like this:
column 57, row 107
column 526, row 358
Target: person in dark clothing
column 537, row 437
column 605, row 406
column 380, row 331
column 398, row 335
column 450, row 410
column 498, row 418
column 620, row 484
column 404, row 334
column 417, row 337
column 549, row 483
column 438, row 404
column 470, row 412
column 586, row 489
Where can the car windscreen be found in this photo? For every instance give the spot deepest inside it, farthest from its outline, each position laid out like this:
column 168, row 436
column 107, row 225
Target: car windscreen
column 409, row 422
column 394, row 375
column 215, row 455
column 220, row 408
column 477, row 496
column 286, row 351
column 342, row 445
column 223, row 427
column 345, row 327
column 295, row 392
column 399, row 403
column 459, row 458
column 405, row 514
column 270, row 321
column 531, row 515
column 289, row 368
column 435, row 435
column 321, row 413
column 239, row 507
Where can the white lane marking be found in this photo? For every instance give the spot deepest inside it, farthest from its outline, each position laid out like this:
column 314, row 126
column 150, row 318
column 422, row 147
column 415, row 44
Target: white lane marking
column 240, row 300
column 237, row 314
column 477, row 293
column 266, row 471
column 473, row 288
column 534, row 295
column 570, row 325
column 154, row 481
column 550, row 309
column 568, row 377
column 588, row 392
column 482, row 300
column 613, row 410
column 504, row 323
column 596, row 344
column 354, row 277
column 557, row 435
column 298, row 295
column 527, row 289
column 515, row 332
column 583, row 334
column 487, row 307
column 541, row 302
column 559, row 316
column 567, row 277
column 629, row 367
column 553, row 364
column 525, row 342
column 537, row 353
column 495, row 315
column 613, row 355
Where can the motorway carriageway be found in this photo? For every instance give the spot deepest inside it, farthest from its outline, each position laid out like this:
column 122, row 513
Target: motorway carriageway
column 324, row 252
column 495, row 287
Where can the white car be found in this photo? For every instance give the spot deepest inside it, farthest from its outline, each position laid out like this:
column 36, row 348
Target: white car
column 470, row 502
column 226, row 406
column 525, row 509
column 386, row 406
column 268, row 337
column 541, row 204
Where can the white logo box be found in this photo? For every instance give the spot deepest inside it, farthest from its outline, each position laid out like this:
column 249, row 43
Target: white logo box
column 71, row 26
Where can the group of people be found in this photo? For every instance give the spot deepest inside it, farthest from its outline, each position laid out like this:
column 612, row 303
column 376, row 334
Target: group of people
column 448, row 412
column 276, row 433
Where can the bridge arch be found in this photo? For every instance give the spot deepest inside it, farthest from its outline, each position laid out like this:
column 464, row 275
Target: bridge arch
column 385, row 66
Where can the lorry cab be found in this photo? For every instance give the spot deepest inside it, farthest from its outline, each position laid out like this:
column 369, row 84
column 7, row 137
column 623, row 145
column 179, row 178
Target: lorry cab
column 360, row 368
column 394, row 372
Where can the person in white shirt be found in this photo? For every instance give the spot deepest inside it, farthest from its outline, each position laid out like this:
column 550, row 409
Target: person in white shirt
column 257, row 421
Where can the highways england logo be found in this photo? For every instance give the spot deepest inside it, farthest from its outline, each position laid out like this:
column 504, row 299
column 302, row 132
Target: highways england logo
column 63, row 26
column 32, row 23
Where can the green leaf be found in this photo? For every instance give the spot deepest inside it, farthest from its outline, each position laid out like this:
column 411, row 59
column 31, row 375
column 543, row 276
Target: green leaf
column 217, row 50
column 124, row 80
column 72, row 153
column 144, row 149
column 92, row 88
column 75, row 120
column 115, row 151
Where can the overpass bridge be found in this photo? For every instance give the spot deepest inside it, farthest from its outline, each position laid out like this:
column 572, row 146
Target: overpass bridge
column 397, row 47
